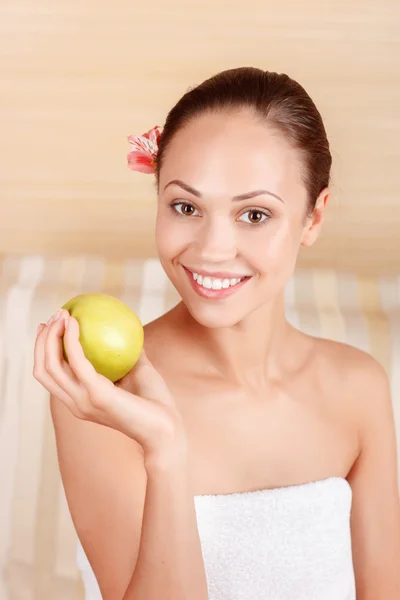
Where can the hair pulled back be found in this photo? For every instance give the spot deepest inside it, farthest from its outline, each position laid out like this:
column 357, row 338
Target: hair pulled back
column 279, row 101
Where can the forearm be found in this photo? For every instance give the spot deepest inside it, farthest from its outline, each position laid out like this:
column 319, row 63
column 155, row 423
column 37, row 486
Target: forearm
column 170, row 562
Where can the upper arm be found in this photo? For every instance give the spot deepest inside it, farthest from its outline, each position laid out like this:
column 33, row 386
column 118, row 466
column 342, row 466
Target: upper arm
column 375, row 518
column 104, row 480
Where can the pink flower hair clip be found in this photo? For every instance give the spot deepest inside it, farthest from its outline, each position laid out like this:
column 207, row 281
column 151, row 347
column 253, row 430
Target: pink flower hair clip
column 144, row 149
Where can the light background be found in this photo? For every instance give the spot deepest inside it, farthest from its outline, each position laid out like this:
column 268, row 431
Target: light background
column 77, row 77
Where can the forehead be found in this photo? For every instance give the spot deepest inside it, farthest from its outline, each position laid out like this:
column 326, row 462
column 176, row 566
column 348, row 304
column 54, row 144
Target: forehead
column 232, row 153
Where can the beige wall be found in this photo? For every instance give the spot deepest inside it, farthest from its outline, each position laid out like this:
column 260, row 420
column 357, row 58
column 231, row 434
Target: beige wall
column 77, row 77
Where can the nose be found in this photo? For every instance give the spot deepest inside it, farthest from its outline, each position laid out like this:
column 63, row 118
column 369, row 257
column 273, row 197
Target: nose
column 217, row 242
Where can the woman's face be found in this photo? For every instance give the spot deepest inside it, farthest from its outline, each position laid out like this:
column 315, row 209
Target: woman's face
column 231, row 204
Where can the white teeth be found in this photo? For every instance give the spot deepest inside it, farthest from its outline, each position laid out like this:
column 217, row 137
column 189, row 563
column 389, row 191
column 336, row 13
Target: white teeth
column 213, row 283
column 217, row 284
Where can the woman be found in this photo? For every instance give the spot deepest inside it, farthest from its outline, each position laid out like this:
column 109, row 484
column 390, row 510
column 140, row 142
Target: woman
column 240, row 458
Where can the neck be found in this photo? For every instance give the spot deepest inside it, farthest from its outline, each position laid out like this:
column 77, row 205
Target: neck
column 249, row 353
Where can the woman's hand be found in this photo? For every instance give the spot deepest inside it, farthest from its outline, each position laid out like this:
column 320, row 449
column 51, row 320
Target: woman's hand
column 149, row 415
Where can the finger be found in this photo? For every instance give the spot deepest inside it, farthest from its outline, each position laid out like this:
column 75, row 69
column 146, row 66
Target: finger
column 82, row 368
column 40, row 328
column 55, row 364
column 56, row 391
column 42, row 376
column 148, row 382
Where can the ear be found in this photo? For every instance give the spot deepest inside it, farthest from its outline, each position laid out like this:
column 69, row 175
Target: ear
column 314, row 221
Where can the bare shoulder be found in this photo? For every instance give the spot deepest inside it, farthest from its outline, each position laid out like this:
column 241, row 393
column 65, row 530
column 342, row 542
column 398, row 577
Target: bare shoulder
column 159, row 334
column 353, row 365
column 359, row 378
column 156, row 328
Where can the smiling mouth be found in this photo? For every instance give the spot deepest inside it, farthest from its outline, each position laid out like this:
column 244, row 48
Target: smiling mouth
column 214, row 287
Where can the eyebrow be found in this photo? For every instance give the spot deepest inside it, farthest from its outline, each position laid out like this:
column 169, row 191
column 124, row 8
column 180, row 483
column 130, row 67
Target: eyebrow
column 246, row 196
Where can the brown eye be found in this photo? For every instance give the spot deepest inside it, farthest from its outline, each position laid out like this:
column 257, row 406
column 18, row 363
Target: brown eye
column 184, row 209
column 255, row 216
column 187, row 209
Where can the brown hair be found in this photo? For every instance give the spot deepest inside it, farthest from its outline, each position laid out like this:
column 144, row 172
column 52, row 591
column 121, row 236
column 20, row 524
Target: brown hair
column 277, row 99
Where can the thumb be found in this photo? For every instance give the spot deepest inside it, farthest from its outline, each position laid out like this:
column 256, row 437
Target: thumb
column 127, row 381
column 143, row 360
column 147, row 382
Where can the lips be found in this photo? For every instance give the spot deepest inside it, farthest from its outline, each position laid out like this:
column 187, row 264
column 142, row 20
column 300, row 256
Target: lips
column 214, row 294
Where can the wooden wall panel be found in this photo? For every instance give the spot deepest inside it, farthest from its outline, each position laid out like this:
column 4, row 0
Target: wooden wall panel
column 77, row 77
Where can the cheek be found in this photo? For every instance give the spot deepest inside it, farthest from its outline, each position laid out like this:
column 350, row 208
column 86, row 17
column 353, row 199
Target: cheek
column 274, row 246
column 169, row 236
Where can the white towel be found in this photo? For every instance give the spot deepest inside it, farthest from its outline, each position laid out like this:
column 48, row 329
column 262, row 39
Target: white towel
column 289, row 543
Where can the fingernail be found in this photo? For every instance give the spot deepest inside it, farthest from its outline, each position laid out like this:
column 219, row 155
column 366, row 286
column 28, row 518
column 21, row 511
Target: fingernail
column 54, row 317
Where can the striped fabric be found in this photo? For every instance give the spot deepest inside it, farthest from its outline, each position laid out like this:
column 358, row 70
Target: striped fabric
column 38, row 541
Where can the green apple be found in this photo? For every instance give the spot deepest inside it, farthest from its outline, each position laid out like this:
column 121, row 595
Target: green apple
column 111, row 334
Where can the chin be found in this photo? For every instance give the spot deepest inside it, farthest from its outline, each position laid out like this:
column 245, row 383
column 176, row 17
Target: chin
column 215, row 316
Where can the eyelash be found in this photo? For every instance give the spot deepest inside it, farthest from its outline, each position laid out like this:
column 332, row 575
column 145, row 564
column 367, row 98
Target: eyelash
column 263, row 212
